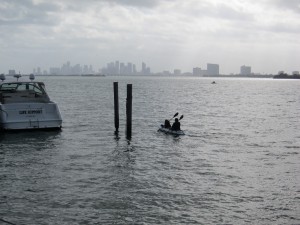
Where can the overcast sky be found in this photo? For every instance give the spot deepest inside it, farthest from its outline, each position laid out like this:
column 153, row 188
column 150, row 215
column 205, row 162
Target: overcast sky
column 166, row 34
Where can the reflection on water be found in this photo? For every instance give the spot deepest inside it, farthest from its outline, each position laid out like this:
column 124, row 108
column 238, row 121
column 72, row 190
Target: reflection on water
column 237, row 164
column 29, row 140
column 33, row 135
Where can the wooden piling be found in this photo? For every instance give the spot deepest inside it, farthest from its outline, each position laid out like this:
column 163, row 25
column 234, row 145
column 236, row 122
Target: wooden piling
column 129, row 111
column 116, row 105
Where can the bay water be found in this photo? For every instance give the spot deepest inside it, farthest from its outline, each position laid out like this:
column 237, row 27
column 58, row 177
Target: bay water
column 237, row 164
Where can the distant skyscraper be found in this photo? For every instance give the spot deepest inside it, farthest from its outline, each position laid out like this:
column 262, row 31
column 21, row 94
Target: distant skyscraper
column 122, row 68
column 144, row 69
column 66, row 69
column 148, row 71
column 85, row 69
column 134, row 69
column 212, row 69
column 245, row 70
column 197, row 71
column 39, row 71
column 12, row 72
column 129, row 68
column 91, row 69
column 166, row 73
column 54, row 71
column 76, row 70
column 117, row 67
column 177, row 72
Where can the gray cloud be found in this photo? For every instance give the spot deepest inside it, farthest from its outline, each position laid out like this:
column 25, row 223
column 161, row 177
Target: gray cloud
column 176, row 32
column 15, row 12
column 230, row 13
column 292, row 5
column 137, row 3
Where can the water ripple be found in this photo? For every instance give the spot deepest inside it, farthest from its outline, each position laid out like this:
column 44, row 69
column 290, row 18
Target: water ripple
column 238, row 163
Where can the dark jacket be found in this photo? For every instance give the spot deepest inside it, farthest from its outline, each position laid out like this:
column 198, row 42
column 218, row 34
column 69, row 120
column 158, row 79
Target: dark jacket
column 167, row 124
column 176, row 125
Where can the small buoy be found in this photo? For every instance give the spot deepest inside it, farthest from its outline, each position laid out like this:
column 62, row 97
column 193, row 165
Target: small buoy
column 213, row 82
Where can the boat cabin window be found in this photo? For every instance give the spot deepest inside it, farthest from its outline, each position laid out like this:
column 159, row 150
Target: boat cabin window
column 23, row 87
column 14, row 92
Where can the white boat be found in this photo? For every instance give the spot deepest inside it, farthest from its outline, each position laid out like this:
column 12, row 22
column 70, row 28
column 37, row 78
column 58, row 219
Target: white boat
column 26, row 105
column 170, row 131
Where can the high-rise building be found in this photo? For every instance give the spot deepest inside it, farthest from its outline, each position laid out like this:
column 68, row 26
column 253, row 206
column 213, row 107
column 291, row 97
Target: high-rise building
column 117, row 67
column 129, row 68
column 54, row 71
column 166, row 73
column 197, row 71
column 85, row 69
column 144, row 69
column 134, row 69
column 91, row 69
column 76, row 70
column 66, row 69
column 122, row 68
column 148, row 71
column 245, row 70
column 212, row 69
column 177, row 72
column 12, row 72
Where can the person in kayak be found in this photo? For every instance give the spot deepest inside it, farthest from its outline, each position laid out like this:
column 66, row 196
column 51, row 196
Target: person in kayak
column 167, row 124
column 176, row 125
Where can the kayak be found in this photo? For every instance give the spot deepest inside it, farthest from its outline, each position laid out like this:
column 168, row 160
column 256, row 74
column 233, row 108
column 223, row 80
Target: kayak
column 169, row 131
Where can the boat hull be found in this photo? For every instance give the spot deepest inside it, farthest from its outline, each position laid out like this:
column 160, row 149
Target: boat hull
column 24, row 116
column 169, row 131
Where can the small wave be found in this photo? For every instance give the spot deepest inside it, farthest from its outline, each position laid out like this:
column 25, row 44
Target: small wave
column 292, row 147
column 258, row 145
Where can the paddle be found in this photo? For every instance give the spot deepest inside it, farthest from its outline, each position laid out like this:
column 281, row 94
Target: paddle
column 181, row 117
column 174, row 116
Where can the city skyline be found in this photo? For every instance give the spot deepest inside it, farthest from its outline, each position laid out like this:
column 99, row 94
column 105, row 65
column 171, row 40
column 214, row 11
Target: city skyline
column 165, row 34
column 121, row 68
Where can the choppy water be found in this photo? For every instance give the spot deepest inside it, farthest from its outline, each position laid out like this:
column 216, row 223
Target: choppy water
column 238, row 163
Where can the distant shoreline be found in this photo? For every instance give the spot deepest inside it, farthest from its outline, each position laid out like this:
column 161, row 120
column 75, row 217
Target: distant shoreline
column 162, row 75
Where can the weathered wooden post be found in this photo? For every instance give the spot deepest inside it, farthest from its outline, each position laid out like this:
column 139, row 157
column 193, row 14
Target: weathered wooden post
column 116, row 105
column 129, row 111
